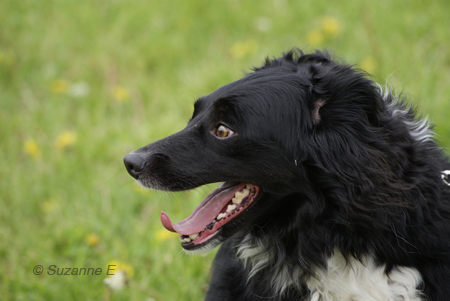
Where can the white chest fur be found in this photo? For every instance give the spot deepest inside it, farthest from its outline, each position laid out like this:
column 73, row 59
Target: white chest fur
column 342, row 280
column 354, row 280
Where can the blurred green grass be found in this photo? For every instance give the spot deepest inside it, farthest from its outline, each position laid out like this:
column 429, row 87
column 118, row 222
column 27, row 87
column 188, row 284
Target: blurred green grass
column 82, row 83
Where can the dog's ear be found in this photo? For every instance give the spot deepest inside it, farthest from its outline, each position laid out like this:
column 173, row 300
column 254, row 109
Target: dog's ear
column 315, row 112
column 340, row 94
column 317, row 97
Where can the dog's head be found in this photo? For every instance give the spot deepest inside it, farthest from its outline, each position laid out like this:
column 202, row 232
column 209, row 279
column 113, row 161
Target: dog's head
column 266, row 137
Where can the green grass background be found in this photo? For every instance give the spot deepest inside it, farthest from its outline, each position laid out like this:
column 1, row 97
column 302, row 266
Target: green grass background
column 117, row 75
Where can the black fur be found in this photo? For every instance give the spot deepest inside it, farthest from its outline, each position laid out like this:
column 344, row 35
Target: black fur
column 339, row 165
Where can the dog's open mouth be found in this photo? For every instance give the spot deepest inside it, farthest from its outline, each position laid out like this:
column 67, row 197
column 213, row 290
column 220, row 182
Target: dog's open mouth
column 217, row 209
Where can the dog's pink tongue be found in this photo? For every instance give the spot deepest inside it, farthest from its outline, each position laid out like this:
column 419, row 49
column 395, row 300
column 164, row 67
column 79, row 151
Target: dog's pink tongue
column 205, row 212
column 167, row 223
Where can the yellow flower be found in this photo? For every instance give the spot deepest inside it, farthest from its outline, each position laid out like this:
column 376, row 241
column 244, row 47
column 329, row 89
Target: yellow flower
column 368, row 64
column 330, row 26
column 50, row 205
column 32, row 149
column 59, row 86
column 92, row 239
column 163, row 234
column 315, row 37
column 240, row 49
column 120, row 94
column 47, row 206
column 65, row 139
column 115, row 266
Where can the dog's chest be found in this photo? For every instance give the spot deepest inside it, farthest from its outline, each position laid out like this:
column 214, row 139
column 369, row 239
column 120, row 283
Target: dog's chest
column 355, row 280
column 342, row 280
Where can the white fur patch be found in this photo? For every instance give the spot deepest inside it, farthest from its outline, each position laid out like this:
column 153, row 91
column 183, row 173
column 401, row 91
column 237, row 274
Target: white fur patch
column 342, row 280
column 355, row 280
column 256, row 255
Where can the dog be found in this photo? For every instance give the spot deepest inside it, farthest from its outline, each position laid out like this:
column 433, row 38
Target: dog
column 332, row 187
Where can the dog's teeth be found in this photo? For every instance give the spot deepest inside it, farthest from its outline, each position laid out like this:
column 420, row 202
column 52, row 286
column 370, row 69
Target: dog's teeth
column 220, row 216
column 193, row 236
column 239, row 195
column 248, row 186
column 231, row 208
column 187, row 239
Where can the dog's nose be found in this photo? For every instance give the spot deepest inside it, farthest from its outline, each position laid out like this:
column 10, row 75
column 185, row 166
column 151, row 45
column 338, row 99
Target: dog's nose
column 134, row 164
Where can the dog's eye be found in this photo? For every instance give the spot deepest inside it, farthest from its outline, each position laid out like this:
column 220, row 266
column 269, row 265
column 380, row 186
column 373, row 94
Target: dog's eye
column 223, row 132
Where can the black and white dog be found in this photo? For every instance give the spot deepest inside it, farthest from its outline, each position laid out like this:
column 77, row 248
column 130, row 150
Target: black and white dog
column 332, row 189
